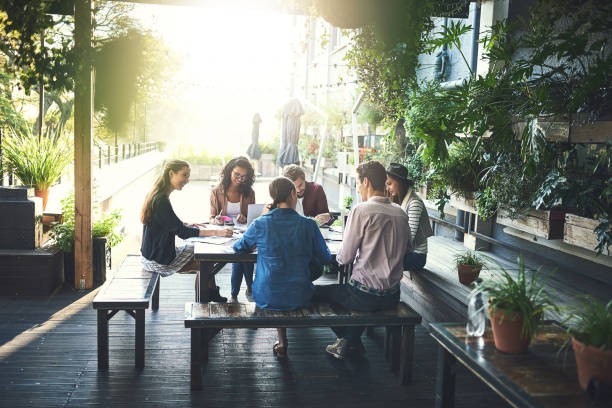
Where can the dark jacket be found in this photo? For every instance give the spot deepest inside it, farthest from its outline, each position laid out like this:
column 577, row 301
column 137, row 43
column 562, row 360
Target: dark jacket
column 158, row 235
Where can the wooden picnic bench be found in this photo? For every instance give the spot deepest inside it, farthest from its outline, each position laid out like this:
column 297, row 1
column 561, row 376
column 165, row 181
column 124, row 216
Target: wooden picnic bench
column 206, row 319
column 131, row 289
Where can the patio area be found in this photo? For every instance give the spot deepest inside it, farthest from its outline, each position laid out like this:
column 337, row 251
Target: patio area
column 48, row 358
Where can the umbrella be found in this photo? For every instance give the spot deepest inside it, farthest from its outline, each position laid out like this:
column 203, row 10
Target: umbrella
column 253, row 150
column 290, row 133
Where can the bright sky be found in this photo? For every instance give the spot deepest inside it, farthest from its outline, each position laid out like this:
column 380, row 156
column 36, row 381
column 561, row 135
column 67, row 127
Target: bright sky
column 235, row 63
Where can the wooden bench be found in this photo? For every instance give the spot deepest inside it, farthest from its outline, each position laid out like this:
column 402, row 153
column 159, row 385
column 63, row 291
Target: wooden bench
column 131, row 289
column 206, row 319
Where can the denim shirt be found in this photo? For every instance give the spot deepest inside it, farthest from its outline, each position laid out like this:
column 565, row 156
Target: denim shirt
column 286, row 242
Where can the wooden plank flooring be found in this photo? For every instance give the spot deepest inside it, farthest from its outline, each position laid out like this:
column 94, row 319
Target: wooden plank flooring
column 48, row 359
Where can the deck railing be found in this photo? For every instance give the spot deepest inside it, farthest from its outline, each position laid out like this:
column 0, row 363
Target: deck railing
column 103, row 155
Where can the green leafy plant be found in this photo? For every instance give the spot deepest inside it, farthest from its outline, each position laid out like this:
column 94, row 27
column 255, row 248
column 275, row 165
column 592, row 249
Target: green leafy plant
column 37, row 161
column 104, row 226
column 348, row 202
column 590, row 322
column 524, row 294
column 469, row 258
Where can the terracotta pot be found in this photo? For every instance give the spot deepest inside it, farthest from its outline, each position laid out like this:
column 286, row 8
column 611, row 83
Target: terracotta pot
column 44, row 194
column 507, row 327
column 468, row 273
column 592, row 362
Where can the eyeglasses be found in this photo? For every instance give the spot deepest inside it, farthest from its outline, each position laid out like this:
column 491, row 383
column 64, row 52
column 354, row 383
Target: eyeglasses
column 239, row 176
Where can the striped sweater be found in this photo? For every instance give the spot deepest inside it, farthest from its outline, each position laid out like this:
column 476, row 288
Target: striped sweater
column 414, row 209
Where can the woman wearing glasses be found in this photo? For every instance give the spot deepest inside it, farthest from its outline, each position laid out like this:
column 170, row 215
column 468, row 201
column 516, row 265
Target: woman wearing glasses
column 231, row 198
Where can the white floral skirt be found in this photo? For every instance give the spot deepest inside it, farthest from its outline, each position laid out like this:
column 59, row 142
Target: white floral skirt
column 184, row 254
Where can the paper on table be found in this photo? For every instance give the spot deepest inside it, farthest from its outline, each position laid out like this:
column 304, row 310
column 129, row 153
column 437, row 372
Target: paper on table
column 211, row 240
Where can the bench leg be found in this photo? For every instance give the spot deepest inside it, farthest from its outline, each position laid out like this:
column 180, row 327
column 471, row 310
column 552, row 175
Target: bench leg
column 155, row 302
column 445, row 379
column 395, row 346
column 102, row 340
column 406, row 355
column 140, row 338
column 196, row 358
column 387, row 343
column 205, row 337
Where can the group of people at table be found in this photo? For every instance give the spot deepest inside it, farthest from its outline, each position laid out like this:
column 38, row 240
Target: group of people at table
column 384, row 235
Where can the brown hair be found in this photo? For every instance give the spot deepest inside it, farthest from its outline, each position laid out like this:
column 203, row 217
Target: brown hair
column 294, row 172
column 226, row 175
column 280, row 189
column 161, row 188
column 375, row 172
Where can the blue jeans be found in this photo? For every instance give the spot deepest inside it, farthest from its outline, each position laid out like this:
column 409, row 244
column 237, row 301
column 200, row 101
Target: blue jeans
column 414, row 261
column 353, row 299
column 239, row 269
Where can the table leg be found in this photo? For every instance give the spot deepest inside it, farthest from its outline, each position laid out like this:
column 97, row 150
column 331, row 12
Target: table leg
column 140, row 338
column 203, row 278
column 406, row 355
column 196, row 358
column 395, row 347
column 102, row 339
column 445, row 379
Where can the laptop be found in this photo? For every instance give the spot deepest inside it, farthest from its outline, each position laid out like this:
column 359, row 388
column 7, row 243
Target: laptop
column 254, row 211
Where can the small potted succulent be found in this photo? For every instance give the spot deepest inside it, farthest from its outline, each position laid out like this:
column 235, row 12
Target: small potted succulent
column 469, row 266
column 516, row 306
column 590, row 328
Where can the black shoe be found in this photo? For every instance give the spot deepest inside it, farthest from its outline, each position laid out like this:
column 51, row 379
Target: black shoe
column 215, row 296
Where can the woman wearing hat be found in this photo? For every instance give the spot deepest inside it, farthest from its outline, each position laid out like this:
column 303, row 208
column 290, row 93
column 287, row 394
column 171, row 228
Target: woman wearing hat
column 400, row 191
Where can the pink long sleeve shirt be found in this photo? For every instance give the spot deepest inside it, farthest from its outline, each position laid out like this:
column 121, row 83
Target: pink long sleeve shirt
column 376, row 238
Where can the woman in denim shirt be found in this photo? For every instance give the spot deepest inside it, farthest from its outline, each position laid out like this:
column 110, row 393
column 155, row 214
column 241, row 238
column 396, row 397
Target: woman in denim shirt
column 286, row 242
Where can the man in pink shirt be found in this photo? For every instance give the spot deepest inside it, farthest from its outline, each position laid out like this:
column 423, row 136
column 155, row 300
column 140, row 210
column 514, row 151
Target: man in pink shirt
column 376, row 238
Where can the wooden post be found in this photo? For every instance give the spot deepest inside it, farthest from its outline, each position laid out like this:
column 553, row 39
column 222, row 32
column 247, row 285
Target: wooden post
column 83, row 112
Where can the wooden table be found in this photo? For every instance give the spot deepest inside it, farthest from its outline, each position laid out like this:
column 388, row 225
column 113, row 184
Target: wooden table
column 539, row 378
column 213, row 257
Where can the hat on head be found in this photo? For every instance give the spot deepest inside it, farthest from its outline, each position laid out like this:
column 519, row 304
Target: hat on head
column 398, row 170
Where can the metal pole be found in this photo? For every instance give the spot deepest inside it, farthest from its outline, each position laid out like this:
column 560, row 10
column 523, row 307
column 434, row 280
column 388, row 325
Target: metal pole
column 41, row 91
column 354, row 128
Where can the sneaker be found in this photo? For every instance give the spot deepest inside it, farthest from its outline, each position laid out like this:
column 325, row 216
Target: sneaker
column 233, row 299
column 338, row 349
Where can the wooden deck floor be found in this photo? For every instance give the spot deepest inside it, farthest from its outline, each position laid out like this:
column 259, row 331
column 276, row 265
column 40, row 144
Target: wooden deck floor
column 48, row 359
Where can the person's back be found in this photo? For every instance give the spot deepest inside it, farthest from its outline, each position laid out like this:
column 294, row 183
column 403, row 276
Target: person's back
column 286, row 242
column 376, row 238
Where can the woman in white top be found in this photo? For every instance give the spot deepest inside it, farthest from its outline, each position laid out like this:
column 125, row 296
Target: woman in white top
column 399, row 188
column 231, row 198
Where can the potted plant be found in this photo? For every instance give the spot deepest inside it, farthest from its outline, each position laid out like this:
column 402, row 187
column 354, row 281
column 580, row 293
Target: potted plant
column 104, row 234
column 469, row 266
column 590, row 328
column 37, row 162
column 346, row 207
column 516, row 306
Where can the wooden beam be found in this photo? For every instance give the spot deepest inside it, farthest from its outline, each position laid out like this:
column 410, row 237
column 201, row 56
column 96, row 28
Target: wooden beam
column 83, row 113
